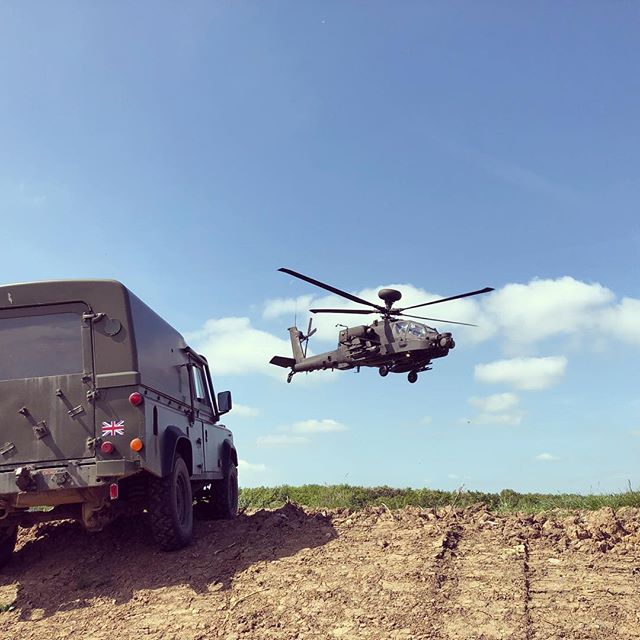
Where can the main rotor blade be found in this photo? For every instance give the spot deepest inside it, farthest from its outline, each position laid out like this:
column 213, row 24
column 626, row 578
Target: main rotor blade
column 406, row 315
column 358, row 311
column 328, row 287
column 461, row 295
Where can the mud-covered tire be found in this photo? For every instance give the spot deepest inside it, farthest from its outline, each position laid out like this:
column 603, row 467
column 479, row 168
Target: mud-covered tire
column 170, row 507
column 224, row 495
column 8, row 537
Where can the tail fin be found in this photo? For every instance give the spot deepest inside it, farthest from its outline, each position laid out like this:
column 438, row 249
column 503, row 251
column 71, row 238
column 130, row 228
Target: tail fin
column 296, row 336
column 296, row 346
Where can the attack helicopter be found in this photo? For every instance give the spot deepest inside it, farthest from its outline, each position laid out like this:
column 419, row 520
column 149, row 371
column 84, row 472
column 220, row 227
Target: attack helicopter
column 390, row 343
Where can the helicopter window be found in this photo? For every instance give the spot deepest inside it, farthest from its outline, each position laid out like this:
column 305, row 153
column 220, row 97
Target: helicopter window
column 400, row 327
column 416, row 330
column 410, row 329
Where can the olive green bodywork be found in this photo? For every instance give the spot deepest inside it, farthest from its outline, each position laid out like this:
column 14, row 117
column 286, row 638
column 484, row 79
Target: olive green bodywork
column 71, row 354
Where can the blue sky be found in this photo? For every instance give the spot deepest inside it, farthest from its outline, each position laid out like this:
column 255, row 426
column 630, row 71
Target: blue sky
column 440, row 147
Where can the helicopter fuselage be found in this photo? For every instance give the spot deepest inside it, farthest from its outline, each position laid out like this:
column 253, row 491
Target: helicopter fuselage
column 391, row 343
column 396, row 346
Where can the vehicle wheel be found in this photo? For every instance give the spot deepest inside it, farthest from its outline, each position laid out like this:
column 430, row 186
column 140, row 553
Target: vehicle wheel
column 8, row 537
column 223, row 504
column 412, row 377
column 171, row 507
column 383, row 371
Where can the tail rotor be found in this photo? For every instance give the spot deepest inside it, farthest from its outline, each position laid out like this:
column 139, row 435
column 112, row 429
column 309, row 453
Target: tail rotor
column 305, row 338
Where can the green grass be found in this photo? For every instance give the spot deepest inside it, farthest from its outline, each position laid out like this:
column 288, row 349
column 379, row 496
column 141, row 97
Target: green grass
column 345, row 496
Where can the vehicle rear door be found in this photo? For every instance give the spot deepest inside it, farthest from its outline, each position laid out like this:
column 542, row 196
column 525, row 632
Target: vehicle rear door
column 46, row 366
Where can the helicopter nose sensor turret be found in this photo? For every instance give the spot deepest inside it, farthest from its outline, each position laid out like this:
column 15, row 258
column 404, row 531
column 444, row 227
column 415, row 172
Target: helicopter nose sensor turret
column 445, row 340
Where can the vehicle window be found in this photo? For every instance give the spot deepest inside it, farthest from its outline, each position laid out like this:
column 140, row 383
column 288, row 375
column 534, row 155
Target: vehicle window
column 40, row 346
column 200, row 389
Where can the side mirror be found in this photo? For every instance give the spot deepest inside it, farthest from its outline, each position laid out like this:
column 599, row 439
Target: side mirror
column 224, row 402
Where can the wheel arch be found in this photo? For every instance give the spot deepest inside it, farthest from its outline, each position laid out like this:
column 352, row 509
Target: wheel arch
column 229, row 453
column 176, row 441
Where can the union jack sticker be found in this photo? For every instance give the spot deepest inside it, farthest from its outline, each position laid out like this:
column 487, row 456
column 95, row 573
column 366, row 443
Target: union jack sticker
column 113, row 428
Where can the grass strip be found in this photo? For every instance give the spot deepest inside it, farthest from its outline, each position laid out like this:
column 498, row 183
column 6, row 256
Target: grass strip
column 350, row 497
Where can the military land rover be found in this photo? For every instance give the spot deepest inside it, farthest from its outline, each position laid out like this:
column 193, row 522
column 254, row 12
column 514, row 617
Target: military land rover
column 106, row 411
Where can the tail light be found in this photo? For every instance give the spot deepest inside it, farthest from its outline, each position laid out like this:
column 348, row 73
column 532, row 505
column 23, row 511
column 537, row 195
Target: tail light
column 136, row 399
column 106, row 447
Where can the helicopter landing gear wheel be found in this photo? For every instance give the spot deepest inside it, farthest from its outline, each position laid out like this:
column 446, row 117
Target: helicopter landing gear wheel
column 383, row 370
column 412, row 377
column 289, row 377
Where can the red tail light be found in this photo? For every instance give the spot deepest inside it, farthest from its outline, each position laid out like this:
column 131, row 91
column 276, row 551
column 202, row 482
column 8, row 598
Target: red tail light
column 113, row 491
column 106, row 447
column 136, row 399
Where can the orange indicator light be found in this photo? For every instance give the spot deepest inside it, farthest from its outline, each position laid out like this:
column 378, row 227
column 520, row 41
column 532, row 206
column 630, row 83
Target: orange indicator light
column 136, row 444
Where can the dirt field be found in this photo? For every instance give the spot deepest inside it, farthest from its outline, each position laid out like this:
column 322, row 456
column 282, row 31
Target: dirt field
column 374, row 574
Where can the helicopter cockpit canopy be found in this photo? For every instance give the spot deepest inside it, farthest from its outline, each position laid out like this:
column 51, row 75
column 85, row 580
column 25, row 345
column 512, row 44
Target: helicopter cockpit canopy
column 408, row 329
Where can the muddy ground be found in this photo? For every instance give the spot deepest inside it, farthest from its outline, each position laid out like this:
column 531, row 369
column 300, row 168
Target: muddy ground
column 375, row 574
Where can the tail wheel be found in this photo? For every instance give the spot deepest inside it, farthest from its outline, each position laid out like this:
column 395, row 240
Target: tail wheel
column 171, row 507
column 8, row 537
column 383, row 370
column 412, row 377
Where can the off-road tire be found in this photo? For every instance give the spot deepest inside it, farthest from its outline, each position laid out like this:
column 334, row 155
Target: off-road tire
column 170, row 507
column 8, row 537
column 222, row 496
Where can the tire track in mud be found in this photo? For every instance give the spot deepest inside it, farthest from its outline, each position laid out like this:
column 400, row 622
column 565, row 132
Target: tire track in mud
column 444, row 581
column 485, row 595
column 526, row 601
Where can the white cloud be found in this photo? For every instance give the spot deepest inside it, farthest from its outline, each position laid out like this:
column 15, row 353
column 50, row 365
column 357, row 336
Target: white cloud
column 427, row 420
column 234, row 347
column 278, row 439
column 243, row 411
column 530, row 313
column 251, row 467
column 287, row 306
column 523, row 373
column 546, row 457
column 317, row 426
column 298, row 432
column 623, row 321
column 251, row 474
column 495, row 403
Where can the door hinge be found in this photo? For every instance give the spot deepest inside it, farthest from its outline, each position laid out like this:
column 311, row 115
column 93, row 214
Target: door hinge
column 92, row 317
column 93, row 394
